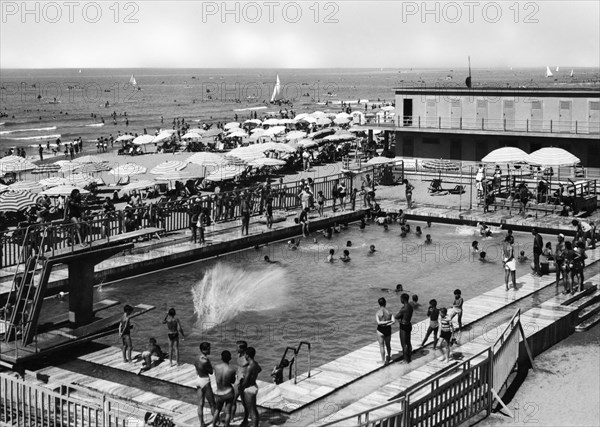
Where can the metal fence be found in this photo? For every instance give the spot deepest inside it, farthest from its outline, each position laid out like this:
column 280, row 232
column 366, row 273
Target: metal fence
column 24, row 403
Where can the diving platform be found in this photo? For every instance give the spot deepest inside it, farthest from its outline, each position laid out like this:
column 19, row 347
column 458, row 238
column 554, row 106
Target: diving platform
column 22, row 337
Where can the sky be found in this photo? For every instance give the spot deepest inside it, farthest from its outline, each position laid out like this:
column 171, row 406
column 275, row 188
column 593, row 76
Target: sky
column 298, row 34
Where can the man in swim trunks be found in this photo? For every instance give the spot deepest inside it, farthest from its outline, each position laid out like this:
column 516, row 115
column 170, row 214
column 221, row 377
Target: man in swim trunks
column 225, row 378
column 404, row 317
column 242, row 365
column 203, row 370
column 173, row 328
column 248, row 387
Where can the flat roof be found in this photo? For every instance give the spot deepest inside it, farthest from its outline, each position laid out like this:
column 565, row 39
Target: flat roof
column 571, row 92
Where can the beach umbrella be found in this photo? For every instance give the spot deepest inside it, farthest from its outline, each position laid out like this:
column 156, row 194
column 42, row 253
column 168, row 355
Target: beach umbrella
column 160, row 138
column 380, row 160
column 63, row 190
column 79, row 180
column 246, row 153
column 69, row 167
column 322, row 133
column 168, row 166
column 53, row 182
column 300, row 116
column 231, row 125
column 128, row 169
column 308, row 119
column 143, row 140
column 8, row 164
column 178, row 176
column 275, row 130
column 322, row 121
column 138, row 185
column 267, row 161
column 388, row 108
column 193, row 136
column 12, row 159
column 15, row 201
column 506, row 155
column 295, row 134
column 552, row 157
column 89, row 159
column 271, row 122
column 47, row 168
column 31, row 186
column 93, row 168
column 205, row 158
column 441, row 165
column 3, row 188
column 225, row 173
column 124, row 138
column 238, row 133
column 274, row 146
column 318, row 114
column 307, row 143
column 339, row 137
column 341, row 120
column 212, row 132
column 286, row 121
column 253, row 122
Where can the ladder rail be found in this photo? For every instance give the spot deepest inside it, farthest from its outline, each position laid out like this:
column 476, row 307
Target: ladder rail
column 307, row 344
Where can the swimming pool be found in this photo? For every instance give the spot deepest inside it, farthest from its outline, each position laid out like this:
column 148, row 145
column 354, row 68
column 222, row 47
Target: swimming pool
column 305, row 298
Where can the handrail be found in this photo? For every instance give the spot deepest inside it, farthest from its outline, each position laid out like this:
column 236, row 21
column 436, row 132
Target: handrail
column 509, row 326
column 366, row 412
column 296, row 365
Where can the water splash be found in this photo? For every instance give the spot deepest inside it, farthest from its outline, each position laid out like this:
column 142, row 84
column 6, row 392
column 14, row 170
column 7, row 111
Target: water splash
column 226, row 291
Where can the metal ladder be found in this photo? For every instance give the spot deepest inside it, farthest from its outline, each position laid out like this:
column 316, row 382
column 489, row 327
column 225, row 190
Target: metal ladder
column 293, row 362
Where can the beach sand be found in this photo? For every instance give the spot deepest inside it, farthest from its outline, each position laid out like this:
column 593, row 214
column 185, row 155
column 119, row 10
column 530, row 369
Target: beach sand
column 564, row 390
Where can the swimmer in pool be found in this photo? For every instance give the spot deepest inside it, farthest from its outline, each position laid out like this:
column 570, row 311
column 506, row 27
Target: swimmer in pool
column 418, row 232
column 363, row 224
column 385, row 227
column 522, row 258
column 372, row 249
column 398, row 289
column 475, row 246
column 428, row 224
column 428, row 239
column 330, row 257
column 348, row 243
column 482, row 255
column 346, row 256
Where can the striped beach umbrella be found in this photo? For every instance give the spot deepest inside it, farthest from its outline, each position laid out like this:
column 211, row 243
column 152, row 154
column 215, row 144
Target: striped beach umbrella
column 47, row 168
column 15, row 201
column 178, row 176
column 552, row 157
column 128, row 169
column 168, row 167
column 31, row 186
column 69, row 167
column 53, row 182
column 225, row 173
column 205, row 158
column 79, row 180
column 12, row 164
column 94, row 168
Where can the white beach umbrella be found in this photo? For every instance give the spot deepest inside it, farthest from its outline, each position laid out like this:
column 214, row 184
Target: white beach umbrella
column 53, row 182
column 388, row 108
column 295, row 134
column 274, row 146
column 124, row 138
column 307, row 143
column 323, row 121
column 160, row 138
column 266, row 161
column 343, row 115
column 253, row 122
column 275, row 130
column 341, row 120
column 552, row 157
column 506, row 155
column 128, row 169
column 167, row 167
column 308, row 119
column 231, row 125
column 238, row 133
column 271, row 122
column 318, row 114
column 69, row 167
column 380, row 160
column 143, row 140
column 300, row 116
column 192, row 136
column 63, row 190
column 138, row 185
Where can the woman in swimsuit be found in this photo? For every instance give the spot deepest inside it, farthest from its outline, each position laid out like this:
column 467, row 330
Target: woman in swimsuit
column 384, row 320
column 174, row 328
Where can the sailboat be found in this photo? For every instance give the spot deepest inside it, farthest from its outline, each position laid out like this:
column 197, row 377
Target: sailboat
column 571, row 73
column 548, row 72
column 132, row 80
column 557, row 68
column 276, row 91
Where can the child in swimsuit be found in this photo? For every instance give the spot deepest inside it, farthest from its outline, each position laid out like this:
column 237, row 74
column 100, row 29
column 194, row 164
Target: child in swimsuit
column 457, row 307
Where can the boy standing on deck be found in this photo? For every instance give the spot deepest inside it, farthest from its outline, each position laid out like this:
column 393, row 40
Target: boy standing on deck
column 125, row 327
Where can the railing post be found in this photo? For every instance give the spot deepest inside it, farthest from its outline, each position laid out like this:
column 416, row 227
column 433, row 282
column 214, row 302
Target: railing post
column 482, row 123
column 419, row 121
column 460, row 123
column 575, row 126
column 527, row 126
column 504, row 124
column 439, row 122
column 550, row 126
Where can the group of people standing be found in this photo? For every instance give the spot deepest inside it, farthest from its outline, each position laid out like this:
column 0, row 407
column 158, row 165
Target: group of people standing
column 439, row 320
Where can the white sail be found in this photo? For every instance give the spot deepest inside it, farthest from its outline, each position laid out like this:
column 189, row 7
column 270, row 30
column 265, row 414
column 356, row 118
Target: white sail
column 557, row 68
column 276, row 91
column 548, row 72
column 132, row 80
column 571, row 73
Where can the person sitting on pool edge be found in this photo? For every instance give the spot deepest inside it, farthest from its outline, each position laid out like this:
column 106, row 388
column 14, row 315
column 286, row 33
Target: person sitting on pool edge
column 153, row 349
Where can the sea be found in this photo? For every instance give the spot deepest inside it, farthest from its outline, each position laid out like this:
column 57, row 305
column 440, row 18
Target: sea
column 43, row 105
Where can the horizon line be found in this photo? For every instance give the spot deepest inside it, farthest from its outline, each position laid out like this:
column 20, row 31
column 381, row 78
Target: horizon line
column 291, row 68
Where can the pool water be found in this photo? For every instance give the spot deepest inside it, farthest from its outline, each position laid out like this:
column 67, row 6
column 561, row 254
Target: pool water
column 304, row 298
